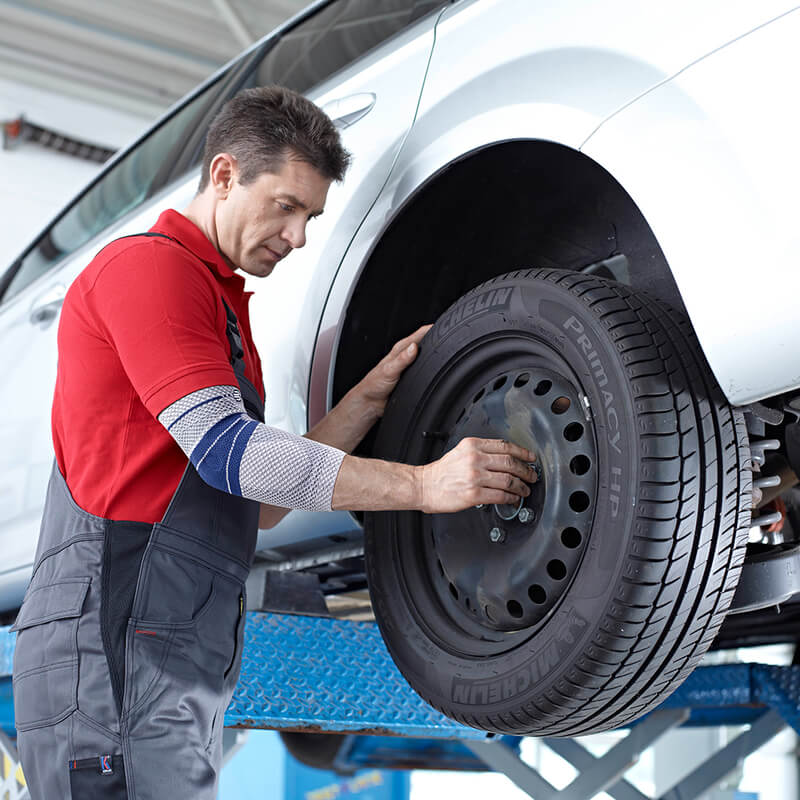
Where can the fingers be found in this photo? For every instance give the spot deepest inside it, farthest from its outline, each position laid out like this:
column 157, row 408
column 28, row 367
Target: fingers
column 414, row 338
column 491, row 496
column 507, row 483
column 511, row 465
column 502, row 447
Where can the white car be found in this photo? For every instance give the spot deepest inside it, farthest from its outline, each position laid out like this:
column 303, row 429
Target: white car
column 597, row 203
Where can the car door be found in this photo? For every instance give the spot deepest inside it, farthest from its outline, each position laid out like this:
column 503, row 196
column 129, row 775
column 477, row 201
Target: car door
column 364, row 63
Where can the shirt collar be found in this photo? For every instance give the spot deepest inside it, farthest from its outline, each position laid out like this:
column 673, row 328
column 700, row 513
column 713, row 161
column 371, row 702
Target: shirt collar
column 174, row 224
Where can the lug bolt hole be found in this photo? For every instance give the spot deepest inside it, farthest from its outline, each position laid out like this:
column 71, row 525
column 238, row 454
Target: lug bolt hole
column 560, row 405
column 537, row 594
column 542, row 388
column 580, row 465
column 557, row 570
column 573, row 431
column 579, row 501
column 514, row 608
column 571, row 538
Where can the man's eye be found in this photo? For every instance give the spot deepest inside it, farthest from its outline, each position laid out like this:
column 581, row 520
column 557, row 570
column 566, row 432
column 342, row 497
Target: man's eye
column 287, row 209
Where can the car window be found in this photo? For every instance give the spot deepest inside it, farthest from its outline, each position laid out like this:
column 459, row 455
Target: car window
column 318, row 47
column 125, row 185
column 302, row 57
column 334, row 38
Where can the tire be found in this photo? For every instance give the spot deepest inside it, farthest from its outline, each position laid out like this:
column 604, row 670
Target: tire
column 590, row 614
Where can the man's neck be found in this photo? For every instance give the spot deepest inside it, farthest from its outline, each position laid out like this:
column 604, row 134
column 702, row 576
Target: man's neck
column 200, row 211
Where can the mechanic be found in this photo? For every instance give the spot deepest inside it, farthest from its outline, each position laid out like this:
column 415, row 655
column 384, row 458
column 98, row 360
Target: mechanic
column 165, row 470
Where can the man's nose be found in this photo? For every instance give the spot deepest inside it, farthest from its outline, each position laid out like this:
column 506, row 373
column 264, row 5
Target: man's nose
column 295, row 234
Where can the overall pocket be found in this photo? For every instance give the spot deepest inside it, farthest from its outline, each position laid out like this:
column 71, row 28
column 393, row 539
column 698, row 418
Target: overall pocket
column 173, row 587
column 98, row 778
column 45, row 673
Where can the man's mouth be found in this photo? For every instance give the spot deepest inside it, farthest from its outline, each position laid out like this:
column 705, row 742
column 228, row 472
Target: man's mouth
column 275, row 255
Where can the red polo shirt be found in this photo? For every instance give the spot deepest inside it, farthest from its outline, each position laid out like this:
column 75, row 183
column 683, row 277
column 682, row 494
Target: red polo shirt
column 142, row 326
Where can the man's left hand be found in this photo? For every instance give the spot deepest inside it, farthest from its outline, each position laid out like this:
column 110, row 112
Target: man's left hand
column 379, row 382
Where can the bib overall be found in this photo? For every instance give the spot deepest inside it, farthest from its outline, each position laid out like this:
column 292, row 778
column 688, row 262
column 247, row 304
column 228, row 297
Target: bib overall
column 129, row 640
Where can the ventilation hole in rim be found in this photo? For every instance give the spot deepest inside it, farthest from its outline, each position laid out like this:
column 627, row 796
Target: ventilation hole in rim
column 488, row 612
column 571, row 537
column 537, row 594
column 467, row 603
column 441, row 568
column 557, row 570
column 560, row 405
column 478, row 396
column 461, row 415
column 514, row 608
column 454, row 591
column 499, row 383
column 573, row 431
column 579, row 501
column 522, row 379
column 543, row 387
column 580, row 465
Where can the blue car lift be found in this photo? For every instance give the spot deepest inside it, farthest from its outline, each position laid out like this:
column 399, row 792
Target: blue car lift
column 317, row 674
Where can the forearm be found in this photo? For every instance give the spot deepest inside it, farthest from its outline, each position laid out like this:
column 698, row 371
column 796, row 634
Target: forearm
column 367, row 484
column 343, row 427
column 347, row 423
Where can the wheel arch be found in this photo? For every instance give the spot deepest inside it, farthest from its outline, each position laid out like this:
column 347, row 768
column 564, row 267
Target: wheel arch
column 448, row 236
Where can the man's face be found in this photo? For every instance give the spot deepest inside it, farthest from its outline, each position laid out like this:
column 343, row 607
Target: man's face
column 259, row 224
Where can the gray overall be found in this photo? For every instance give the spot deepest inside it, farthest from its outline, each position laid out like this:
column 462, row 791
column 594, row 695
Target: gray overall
column 129, row 641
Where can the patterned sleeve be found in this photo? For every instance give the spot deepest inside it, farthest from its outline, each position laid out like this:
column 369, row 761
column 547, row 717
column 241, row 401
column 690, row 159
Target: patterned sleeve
column 239, row 455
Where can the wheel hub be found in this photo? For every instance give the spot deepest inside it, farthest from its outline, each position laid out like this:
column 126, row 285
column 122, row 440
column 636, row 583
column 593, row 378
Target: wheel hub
column 506, row 566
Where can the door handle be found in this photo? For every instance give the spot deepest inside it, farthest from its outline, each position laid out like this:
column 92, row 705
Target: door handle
column 46, row 306
column 347, row 110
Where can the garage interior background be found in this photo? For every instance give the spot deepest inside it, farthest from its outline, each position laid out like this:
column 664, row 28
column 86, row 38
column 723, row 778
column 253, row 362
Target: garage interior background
column 80, row 79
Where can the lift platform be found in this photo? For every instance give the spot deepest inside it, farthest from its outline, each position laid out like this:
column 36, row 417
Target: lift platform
column 317, row 674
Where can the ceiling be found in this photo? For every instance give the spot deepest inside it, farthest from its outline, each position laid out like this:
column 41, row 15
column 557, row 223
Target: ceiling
column 139, row 56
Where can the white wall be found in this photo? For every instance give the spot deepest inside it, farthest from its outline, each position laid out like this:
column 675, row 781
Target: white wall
column 36, row 182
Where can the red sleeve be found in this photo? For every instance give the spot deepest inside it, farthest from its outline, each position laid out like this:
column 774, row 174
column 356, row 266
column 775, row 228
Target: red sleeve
column 158, row 308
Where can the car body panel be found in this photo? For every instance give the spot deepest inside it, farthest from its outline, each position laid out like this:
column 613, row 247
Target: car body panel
column 550, row 81
column 717, row 182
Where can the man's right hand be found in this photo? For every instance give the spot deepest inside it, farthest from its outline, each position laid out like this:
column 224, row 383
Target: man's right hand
column 476, row 471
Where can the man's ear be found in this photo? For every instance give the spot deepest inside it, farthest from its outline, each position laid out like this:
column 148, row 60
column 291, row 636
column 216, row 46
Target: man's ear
column 223, row 172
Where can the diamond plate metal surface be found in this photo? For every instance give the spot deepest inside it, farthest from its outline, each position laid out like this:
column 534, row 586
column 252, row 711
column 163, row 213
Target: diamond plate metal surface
column 712, row 687
column 314, row 673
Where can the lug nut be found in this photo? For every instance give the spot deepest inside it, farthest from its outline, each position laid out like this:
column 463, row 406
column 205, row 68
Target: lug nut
column 497, row 535
column 526, row 515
